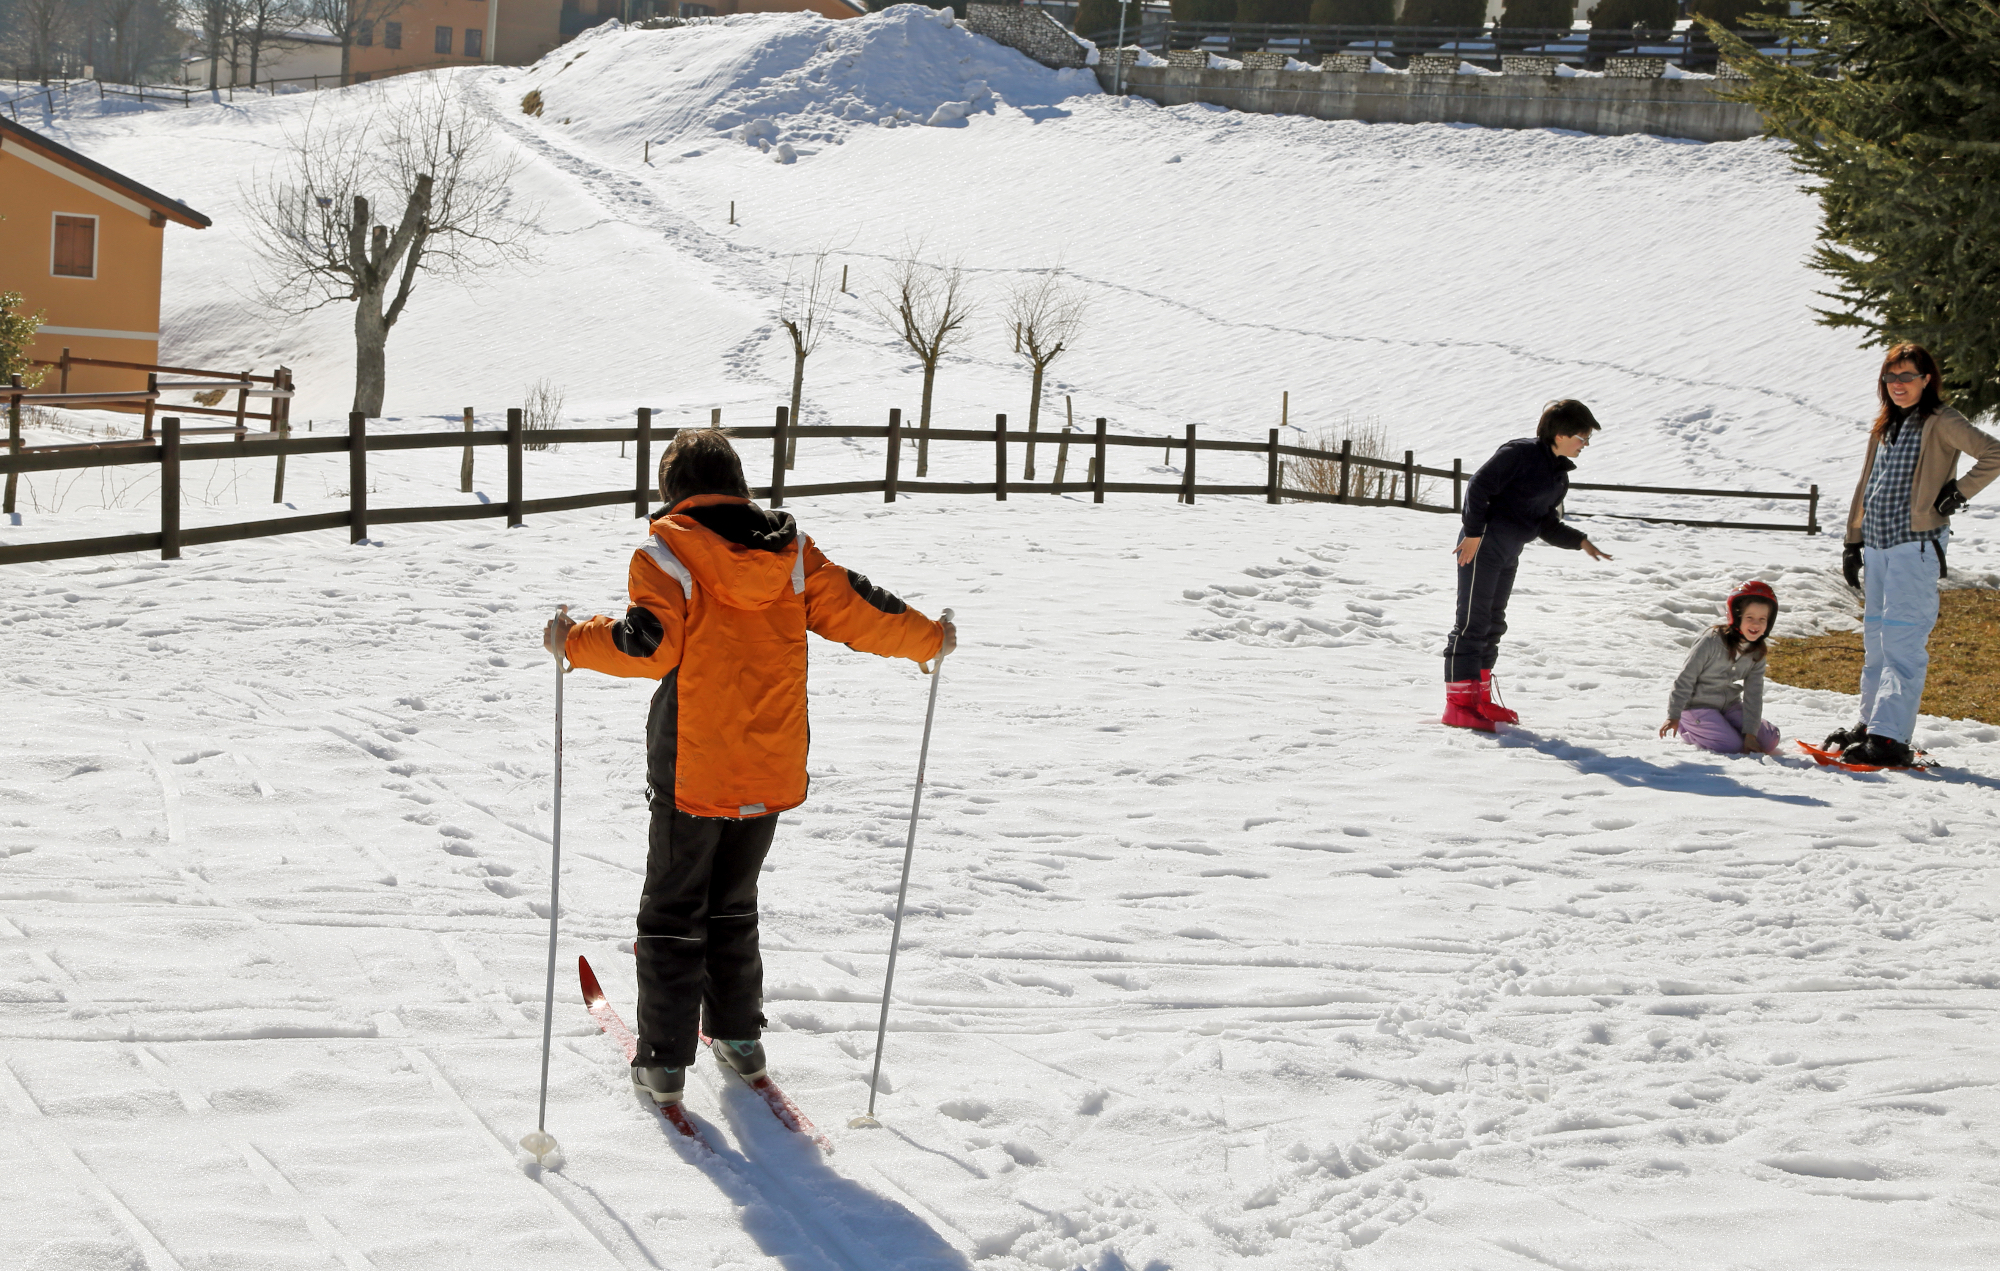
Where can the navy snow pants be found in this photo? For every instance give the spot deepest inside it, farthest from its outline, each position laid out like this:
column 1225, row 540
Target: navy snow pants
column 697, row 949
column 1481, row 618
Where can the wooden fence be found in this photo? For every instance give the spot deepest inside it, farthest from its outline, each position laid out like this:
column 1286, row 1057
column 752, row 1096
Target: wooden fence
column 170, row 454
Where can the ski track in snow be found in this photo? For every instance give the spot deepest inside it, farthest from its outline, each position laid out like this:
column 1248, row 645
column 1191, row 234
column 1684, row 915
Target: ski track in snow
column 1220, row 952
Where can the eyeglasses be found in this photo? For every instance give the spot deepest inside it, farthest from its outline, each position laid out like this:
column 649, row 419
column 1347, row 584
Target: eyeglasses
column 1903, row 377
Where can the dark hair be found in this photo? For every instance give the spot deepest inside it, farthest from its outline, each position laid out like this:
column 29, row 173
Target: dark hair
column 1732, row 632
column 1565, row 417
column 1920, row 357
column 700, row 461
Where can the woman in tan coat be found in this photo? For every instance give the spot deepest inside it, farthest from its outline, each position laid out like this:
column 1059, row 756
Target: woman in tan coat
column 1898, row 527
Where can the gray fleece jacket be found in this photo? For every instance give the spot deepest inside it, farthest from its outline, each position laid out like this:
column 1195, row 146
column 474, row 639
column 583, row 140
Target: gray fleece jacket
column 1712, row 681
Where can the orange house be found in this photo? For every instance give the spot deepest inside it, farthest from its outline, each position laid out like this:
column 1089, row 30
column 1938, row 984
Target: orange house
column 392, row 36
column 82, row 244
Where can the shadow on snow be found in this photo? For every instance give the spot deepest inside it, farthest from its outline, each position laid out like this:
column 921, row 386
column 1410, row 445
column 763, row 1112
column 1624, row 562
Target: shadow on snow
column 1630, row 770
column 798, row 1209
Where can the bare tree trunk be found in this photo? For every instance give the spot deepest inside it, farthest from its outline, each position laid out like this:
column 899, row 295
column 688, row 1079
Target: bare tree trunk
column 798, row 387
column 1034, row 417
column 924, row 423
column 371, row 354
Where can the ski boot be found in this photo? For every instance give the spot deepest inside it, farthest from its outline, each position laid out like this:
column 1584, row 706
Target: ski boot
column 1845, row 739
column 745, row 1059
column 1490, row 708
column 1461, row 706
column 664, row 1085
column 1880, row 752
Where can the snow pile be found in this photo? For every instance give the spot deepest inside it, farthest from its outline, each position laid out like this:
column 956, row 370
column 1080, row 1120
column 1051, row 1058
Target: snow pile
column 795, row 79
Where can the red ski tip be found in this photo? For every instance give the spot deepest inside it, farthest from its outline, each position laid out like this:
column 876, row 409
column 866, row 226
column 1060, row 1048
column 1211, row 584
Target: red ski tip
column 593, row 992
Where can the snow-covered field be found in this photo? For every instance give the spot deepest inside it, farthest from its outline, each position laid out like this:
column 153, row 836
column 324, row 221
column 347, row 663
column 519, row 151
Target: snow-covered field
column 1221, row 952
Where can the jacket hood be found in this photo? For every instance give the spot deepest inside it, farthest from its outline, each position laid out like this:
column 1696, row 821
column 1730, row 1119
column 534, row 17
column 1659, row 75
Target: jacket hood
column 743, row 555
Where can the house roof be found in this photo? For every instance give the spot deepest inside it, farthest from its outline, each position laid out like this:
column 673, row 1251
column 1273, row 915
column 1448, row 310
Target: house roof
column 14, row 135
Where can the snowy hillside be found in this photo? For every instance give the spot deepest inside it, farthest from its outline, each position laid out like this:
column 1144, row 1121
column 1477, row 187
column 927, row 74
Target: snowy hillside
column 1221, row 952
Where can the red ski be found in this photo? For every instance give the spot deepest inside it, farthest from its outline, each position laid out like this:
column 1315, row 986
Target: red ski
column 779, row 1103
column 614, row 1028
column 1832, row 759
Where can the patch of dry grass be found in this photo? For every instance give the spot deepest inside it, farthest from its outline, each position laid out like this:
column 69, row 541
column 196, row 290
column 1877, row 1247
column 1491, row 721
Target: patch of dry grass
column 1964, row 679
column 1370, row 440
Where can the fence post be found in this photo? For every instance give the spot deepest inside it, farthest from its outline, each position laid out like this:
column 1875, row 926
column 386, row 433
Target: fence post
column 895, row 460
column 243, row 404
column 1812, row 511
column 13, row 439
column 357, row 477
column 642, row 473
column 514, row 440
column 1187, row 475
column 1062, row 461
column 1000, row 457
column 778, row 432
column 65, row 371
column 170, row 489
column 152, row 400
column 1346, row 453
column 1097, row 466
column 465, row 458
column 1271, row 475
column 284, row 427
column 1457, row 490
column 1409, row 478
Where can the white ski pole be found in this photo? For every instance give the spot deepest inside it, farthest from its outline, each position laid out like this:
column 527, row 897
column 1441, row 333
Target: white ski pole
column 541, row 1142
column 896, row 934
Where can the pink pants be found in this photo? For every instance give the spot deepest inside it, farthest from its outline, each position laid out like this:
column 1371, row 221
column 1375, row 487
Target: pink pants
column 1722, row 730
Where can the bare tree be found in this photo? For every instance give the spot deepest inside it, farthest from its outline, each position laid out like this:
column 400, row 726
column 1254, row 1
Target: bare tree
column 218, row 20
column 1046, row 312
column 133, row 38
column 350, row 21
column 264, row 23
column 803, row 309
column 426, row 148
column 927, row 305
column 42, row 31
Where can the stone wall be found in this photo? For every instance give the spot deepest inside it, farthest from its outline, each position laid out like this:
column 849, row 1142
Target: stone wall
column 1605, row 106
column 1029, row 30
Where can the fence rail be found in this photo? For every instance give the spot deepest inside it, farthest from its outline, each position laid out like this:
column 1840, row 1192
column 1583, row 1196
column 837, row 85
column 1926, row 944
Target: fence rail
column 1471, row 43
column 170, row 453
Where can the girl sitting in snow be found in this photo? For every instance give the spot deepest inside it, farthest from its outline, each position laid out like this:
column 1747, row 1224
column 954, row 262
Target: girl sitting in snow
column 1718, row 700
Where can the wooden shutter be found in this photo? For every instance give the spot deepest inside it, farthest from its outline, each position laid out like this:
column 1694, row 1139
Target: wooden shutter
column 76, row 247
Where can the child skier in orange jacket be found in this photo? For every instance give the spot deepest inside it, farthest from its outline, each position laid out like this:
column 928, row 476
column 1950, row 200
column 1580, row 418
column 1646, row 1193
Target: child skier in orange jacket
column 722, row 595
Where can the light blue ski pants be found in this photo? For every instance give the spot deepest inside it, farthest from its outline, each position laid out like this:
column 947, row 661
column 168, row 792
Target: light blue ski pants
column 1900, row 606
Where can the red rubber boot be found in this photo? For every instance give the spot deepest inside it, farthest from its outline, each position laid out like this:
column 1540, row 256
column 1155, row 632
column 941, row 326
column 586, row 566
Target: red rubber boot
column 1491, row 709
column 1461, row 706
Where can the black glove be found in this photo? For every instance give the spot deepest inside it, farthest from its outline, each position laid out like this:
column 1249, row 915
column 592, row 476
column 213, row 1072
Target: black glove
column 1850, row 564
column 1949, row 500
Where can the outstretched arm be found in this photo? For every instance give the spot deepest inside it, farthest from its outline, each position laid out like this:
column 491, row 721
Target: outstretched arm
column 844, row 606
column 646, row 642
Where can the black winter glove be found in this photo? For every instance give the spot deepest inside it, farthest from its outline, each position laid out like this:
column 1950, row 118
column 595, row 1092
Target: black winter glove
column 1949, row 500
column 1850, row 563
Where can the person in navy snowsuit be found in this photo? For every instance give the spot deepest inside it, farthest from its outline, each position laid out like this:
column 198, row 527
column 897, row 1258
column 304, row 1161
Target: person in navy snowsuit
column 1515, row 497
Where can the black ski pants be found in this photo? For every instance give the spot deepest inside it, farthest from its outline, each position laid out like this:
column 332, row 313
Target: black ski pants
column 1483, row 588
column 697, row 949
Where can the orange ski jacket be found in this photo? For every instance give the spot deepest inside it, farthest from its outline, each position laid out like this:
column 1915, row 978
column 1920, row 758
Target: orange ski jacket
column 723, row 593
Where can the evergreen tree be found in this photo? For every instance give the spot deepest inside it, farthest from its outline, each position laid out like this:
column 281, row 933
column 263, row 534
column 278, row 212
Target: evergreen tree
column 1352, row 12
column 1203, row 10
column 1538, row 14
column 17, row 332
column 1443, row 13
column 1731, row 13
column 1098, row 20
column 1284, row 11
column 1894, row 114
column 1623, row 15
